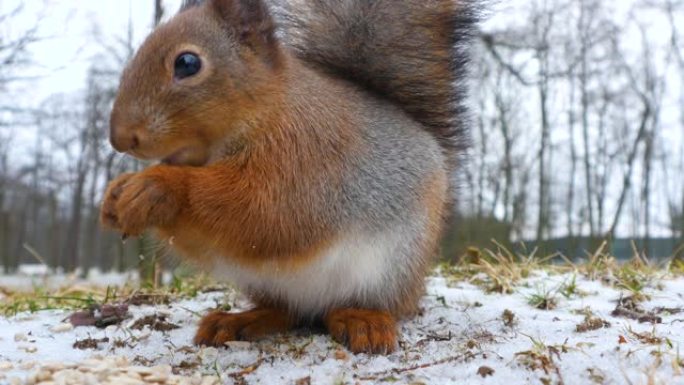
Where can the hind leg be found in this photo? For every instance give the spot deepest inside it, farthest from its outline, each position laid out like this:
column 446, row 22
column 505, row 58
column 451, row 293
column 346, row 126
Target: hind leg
column 363, row 330
column 217, row 328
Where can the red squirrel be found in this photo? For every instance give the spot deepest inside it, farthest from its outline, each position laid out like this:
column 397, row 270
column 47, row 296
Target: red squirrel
column 306, row 155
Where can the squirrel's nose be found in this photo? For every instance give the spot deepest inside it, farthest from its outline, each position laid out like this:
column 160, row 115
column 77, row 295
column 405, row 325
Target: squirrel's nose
column 121, row 139
column 123, row 134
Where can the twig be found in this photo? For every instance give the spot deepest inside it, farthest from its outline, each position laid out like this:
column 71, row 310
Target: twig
column 373, row 376
column 35, row 255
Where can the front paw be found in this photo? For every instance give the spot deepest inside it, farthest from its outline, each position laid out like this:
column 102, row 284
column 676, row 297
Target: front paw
column 136, row 202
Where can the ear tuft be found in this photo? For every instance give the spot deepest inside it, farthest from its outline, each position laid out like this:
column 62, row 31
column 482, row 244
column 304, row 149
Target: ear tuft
column 251, row 22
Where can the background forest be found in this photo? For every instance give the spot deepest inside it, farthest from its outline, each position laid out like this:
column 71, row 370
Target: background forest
column 577, row 134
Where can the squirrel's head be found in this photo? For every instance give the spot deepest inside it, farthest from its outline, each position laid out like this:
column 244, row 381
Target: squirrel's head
column 197, row 82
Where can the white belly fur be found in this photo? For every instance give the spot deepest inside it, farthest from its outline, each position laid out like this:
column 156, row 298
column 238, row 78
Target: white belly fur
column 360, row 269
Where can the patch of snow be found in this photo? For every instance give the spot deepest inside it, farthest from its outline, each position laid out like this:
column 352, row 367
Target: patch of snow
column 459, row 337
column 29, row 276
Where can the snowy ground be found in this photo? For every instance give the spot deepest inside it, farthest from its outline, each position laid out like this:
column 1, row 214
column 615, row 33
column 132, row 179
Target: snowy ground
column 464, row 336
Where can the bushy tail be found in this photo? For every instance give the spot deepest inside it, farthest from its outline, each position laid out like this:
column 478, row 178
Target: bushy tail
column 413, row 52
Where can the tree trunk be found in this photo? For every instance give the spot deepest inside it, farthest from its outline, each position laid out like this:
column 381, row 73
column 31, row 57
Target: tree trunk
column 627, row 177
column 584, row 52
column 542, row 214
column 570, row 204
column 70, row 253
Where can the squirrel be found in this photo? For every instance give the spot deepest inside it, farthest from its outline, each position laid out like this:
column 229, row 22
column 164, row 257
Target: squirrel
column 306, row 154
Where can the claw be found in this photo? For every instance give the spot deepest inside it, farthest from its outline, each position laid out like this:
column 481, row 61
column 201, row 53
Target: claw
column 363, row 330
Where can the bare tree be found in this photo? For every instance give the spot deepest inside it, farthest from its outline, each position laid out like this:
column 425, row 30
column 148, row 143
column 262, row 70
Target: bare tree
column 14, row 55
column 585, row 31
column 504, row 110
column 542, row 29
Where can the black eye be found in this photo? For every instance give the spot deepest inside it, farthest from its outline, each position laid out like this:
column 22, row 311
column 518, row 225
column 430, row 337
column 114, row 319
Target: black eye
column 186, row 65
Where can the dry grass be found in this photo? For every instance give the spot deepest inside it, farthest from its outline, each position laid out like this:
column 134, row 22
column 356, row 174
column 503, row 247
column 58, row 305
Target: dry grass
column 496, row 269
column 85, row 296
column 544, row 357
column 501, row 270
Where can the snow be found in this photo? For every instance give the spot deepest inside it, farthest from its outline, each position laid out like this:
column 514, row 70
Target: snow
column 460, row 331
column 29, row 276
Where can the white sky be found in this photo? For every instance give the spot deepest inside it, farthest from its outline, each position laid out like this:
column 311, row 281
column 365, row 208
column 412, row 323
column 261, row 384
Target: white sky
column 74, row 31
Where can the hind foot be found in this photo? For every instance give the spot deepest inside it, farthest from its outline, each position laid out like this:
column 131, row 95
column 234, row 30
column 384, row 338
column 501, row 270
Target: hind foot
column 217, row 328
column 362, row 330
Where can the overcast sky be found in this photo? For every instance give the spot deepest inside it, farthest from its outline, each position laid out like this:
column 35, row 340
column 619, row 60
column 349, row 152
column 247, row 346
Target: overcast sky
column 73, row 34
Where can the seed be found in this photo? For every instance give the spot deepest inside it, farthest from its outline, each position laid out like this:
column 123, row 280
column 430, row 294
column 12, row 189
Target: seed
column 69, row 376
column 132, row 375
column 238, row 345
column 144, row 334
column 62, row 328
column 90, row 379
column 157, row 377
column 90, row 362
column 163, row 369
column 53, row 366
column 28, row 348
column 43, row 375
column 340, row 355
column 209, row 380
column 120, row 361
column 125, row 380
column 141, row 370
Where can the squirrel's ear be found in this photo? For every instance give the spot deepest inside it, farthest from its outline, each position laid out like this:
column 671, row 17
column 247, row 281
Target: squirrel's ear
column 252, row 23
